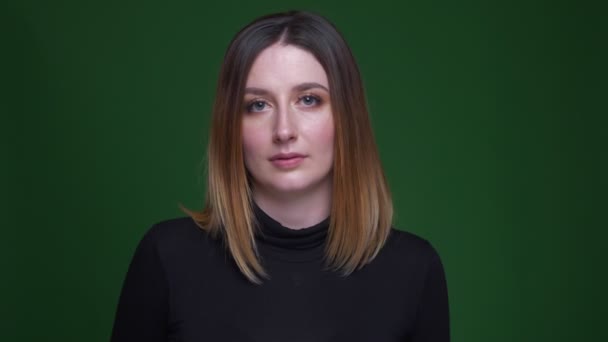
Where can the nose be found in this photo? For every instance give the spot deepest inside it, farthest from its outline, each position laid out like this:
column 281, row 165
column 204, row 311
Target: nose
column 285, row 129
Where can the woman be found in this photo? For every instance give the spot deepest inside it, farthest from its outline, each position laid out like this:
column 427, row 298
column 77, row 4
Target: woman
column 295, row 242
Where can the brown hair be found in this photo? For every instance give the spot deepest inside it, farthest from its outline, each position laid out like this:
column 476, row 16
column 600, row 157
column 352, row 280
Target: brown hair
column 362, row 209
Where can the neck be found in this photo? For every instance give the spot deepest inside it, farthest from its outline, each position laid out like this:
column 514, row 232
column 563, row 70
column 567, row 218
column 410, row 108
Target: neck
column 295, row 210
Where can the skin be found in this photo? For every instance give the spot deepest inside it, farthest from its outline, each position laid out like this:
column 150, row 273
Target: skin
column 287, row 109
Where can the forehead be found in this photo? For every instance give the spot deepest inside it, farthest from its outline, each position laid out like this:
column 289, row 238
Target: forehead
column 284, row 66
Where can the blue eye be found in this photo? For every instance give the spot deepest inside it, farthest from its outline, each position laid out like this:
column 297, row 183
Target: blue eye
column 310, row 100
column 256, row 106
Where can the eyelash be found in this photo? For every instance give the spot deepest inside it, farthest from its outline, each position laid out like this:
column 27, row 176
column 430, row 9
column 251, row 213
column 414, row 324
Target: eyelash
column 318, row 101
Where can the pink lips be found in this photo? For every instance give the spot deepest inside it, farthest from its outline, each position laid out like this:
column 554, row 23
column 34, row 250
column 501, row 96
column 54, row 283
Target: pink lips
column 287, row 160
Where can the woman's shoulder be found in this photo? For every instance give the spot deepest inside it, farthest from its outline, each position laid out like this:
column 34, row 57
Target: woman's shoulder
column 172, row 229
column 407, row 244
column 175, row 228
column 177, row 236
column 407, row 256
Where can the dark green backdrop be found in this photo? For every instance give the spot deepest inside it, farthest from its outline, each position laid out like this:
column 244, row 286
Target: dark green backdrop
column 488, row 115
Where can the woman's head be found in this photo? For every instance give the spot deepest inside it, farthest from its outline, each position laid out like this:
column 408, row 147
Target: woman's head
column 267, row 59
column 287, row 126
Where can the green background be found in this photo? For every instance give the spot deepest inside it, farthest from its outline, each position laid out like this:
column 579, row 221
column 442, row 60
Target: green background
column 489, row 117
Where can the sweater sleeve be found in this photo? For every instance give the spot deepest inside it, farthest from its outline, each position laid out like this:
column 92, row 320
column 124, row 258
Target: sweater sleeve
column 142, row 310
column 433, row 322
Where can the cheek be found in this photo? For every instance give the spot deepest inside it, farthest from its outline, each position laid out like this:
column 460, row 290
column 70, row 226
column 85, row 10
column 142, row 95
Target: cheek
column 251, row 142
column 321, row 136
column 326, row 133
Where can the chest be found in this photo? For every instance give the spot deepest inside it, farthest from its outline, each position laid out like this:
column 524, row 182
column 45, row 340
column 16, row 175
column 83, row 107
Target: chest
column 298, row 303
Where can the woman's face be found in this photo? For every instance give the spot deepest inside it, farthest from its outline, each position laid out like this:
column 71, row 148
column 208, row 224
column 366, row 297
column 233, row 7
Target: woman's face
column 288, row 128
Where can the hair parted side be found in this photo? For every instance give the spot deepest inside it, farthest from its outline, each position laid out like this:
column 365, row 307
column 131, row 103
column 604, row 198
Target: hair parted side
column 362, row 210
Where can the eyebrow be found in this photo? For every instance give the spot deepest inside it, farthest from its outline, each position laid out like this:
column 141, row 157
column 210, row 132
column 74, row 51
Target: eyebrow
column 300, row 87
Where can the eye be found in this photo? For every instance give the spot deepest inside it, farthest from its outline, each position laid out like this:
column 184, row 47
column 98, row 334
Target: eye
column 256, row 106
column 310, row 100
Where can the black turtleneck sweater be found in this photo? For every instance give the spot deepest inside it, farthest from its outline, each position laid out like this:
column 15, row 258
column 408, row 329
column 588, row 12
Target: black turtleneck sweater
column 181, row 285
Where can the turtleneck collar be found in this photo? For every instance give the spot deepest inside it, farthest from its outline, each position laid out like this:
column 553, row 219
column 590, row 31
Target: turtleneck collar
column 287, row 243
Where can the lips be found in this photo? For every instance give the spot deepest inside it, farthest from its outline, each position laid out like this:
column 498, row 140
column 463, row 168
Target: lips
column 286, row 156
column 287, row 161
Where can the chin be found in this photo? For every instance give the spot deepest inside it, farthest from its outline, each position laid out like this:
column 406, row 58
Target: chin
column 285, row 186
column 288, row 187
